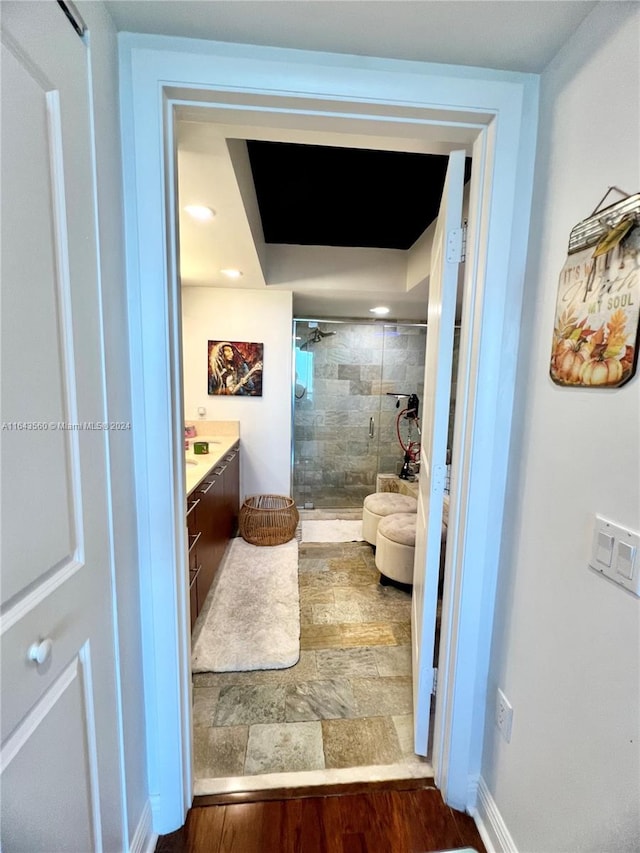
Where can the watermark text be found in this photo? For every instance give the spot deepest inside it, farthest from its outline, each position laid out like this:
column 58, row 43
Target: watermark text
column 63, row 426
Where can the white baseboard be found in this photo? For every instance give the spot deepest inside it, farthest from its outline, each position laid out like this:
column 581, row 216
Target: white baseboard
column 144, row 838
column 472, row 793
column 491, row 826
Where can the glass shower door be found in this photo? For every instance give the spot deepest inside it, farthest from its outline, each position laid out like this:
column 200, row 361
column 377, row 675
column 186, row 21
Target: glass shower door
column 336, row 411
column 344, row 423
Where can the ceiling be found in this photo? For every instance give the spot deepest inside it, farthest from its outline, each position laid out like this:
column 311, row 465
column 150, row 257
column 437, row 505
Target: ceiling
column 295, row 198
column 522, row 35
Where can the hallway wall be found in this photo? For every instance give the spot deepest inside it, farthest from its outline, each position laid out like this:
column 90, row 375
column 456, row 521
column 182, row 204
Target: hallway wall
column 566, row 646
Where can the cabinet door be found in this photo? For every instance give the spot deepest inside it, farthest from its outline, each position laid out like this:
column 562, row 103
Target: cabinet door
column 193, row 537
column 213, row 538
column 232, row 489
column 193, row 596
column 193, row 530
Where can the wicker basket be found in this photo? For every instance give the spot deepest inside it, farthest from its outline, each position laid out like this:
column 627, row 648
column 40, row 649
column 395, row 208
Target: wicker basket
column 268, row 520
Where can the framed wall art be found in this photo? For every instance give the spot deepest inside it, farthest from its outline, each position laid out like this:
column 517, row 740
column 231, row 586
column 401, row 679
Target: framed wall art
column 234, row 368
column 595, row 336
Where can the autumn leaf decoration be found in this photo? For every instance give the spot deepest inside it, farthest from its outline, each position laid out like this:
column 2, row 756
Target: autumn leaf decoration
column 616, row 338
column 569, row 329
column 597, row 344
column 566, row 325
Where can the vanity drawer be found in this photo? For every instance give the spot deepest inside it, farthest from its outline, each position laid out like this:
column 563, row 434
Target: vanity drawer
column 194, row 534
column 193, row 594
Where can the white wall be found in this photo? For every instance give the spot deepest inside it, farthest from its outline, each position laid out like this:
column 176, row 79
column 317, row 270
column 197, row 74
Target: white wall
column 566, row 648
column 210, row 313
column 104, row 70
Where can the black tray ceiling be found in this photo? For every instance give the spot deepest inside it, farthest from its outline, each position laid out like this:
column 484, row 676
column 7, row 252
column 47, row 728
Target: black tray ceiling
column 315, row 195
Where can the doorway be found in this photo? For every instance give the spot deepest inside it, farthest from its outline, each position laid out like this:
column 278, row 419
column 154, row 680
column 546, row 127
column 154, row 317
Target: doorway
column 360, row 381
column 234, row 705
column 408, row 100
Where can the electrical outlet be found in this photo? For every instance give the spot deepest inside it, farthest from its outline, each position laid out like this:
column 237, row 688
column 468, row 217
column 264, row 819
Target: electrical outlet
column 504, row 715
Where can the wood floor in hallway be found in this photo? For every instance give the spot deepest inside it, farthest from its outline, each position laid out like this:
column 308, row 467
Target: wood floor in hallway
column 382, row 820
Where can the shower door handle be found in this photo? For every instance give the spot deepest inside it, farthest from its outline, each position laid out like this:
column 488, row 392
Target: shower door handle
column 372, row 425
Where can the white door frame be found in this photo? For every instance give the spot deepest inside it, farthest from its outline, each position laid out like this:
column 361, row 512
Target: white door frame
column 498, row 110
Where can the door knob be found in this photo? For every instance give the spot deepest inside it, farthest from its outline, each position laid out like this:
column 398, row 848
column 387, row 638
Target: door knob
column 41, row 651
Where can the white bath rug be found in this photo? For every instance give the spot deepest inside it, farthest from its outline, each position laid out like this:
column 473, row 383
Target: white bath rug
column 331, row 530
column 253, row 611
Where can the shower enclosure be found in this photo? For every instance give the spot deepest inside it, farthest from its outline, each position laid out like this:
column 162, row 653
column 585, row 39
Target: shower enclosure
column 344, row 421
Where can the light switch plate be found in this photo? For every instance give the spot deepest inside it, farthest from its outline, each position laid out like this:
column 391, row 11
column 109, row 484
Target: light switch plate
column 615, row 554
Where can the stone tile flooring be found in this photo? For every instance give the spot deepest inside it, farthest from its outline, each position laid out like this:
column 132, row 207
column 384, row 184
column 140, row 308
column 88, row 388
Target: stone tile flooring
column 347, row 703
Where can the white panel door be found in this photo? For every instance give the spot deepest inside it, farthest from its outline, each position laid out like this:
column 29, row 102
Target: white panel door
column 60, row 757
column 443, row 286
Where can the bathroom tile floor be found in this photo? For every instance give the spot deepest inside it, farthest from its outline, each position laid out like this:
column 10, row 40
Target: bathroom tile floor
column 347, row 703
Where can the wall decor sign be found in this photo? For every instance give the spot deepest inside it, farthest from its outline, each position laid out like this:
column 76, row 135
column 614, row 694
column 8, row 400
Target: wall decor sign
column 235, row 368
column 597, row 319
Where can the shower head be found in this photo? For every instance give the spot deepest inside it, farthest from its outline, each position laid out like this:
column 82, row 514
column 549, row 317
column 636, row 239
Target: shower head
column 315, row 337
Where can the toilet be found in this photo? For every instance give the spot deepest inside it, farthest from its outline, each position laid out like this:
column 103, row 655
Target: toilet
column 379, row 506
column 396, row 546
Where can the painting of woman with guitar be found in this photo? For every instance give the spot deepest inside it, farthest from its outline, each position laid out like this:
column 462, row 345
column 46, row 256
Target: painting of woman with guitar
column 235, row 368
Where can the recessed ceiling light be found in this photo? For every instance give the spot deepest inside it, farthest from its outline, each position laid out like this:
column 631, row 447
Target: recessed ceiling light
column 381, row 309
column 231, row 273
column 200, row 212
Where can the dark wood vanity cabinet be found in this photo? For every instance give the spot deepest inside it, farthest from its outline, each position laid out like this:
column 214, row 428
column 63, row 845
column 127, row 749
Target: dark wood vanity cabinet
column 212, row 520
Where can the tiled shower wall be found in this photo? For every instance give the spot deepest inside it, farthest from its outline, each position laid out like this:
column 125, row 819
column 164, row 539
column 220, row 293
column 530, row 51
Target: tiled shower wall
column 344, row 385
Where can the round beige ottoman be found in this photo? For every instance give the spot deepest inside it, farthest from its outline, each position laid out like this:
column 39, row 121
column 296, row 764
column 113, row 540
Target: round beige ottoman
column 396, row 546
column 379, row 506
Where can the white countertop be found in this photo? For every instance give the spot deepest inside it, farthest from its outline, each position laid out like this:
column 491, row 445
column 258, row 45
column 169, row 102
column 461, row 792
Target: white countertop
column 198, row 466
